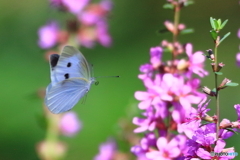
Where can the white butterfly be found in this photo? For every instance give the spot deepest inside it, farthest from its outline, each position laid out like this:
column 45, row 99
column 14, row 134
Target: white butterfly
column 71, row 79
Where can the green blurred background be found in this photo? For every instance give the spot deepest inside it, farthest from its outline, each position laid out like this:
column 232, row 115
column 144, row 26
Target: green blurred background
column 133, row 26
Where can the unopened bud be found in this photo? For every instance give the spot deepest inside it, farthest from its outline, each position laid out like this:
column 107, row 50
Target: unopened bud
column 208, row 91
column 224, row 82
column 220, row 66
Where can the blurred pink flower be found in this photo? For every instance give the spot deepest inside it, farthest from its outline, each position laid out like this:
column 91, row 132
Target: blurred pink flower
column 238, row 59
column 95, row 13
column 102, row 34
column 70, row 124
column 89, row 35
column 75, row 6
column 238, row 34
column 106, row 150
column 156, row 56
column 196, row 61
column 48, row 35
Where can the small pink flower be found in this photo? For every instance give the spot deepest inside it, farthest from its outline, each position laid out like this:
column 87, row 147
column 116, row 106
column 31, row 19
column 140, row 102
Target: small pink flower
column 238, row 59
column 70, row 124
column 166, row 150
column 106, row 150
column 196, row 61
column 102, row 34
column 238, row 34
column 48, row 35
column 75, row 6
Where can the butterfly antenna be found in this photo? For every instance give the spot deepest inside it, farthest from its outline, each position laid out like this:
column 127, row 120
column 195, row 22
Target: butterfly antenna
column 107, row 77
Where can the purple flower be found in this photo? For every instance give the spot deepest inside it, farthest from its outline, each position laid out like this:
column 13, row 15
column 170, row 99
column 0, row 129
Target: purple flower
column 146, row 70
column 70, row 124
column 147, row 123
column 102, row 34
column 237, row 107
column 95, row 13
column 48, row 35
column 238, row 34
column 196, row 61
column 223, row 133
column 75, row 6
column 204, row 154
column 106, row 150
column 166, row 150
column 156, row 56
column 238, row 59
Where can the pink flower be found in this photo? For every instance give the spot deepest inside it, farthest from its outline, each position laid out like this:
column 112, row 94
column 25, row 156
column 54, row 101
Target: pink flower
column 106, row 150
column 156, row 56
column 238, row 59
column 102, row 34
column 75, row 6
column 70, row 124
column 237, row 107
column 166, row 150
column 196, row 61
column 95, row 13
column 48, row 35
column 238, row 34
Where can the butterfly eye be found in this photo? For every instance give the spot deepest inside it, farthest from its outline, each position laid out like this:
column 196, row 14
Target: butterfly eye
column 96, row 83
column 69, row 64
column 66, row 76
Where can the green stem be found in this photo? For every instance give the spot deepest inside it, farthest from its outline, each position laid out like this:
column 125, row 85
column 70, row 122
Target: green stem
column 217, row 94
column 175, row 33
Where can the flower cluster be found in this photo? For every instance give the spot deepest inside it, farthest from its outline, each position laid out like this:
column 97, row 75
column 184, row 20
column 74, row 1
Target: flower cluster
column 238, row 54
column 88, row 25
column 171, row 90
column 203, row 140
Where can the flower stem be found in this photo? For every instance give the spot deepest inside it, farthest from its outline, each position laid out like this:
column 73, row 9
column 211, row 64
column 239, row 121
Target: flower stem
column 175, row 33
column 217, row 94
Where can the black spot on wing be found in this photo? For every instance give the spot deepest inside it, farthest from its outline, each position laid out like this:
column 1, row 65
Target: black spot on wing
column 66, row 76
column 69, row 64
column 54, row 59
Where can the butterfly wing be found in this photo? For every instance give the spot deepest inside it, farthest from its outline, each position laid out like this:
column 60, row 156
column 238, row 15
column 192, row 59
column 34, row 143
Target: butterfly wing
column 70, row 64
column 64, row 95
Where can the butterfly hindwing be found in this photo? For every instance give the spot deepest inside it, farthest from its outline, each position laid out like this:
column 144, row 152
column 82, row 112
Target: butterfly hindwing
column 64, row 95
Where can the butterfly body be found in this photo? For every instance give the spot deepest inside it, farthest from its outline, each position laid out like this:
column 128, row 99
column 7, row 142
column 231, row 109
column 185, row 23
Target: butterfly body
column 71, row 79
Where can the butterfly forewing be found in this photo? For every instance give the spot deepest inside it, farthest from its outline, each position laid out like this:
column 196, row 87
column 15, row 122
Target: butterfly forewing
column 71, row 64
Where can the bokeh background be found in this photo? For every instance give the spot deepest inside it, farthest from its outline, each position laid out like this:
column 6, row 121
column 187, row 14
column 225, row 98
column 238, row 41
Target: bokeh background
column 133, row 26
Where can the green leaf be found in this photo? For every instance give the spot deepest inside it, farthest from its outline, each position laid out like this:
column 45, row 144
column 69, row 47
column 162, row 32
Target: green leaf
column 219, row 73
column 231, row 84
column 214, row 90
column 223, row 24
column 212, row 23
column 231, row 130
column 214, row 34
column 224, row 37
column 216, row 24
column 168, row 6
column 187, row 3
column 219, row 23
column 187, row 31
